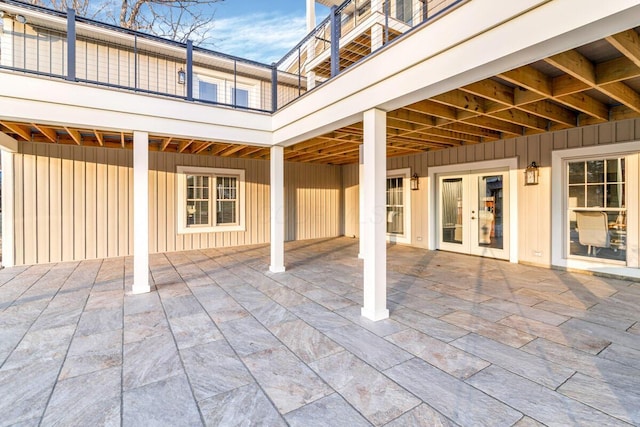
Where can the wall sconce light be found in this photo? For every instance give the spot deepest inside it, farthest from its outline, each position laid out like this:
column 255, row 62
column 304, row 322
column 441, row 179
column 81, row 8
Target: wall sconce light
column 21, row 19
column 415, row 181
column 182, row 76
column 531, row 174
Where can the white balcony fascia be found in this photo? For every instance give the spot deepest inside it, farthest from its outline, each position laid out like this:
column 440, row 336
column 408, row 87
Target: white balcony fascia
column 56, row 102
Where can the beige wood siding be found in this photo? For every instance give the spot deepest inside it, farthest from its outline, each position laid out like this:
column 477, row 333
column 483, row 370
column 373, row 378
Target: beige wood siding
column 534, row 202
column 313, row 202
column 74, row 203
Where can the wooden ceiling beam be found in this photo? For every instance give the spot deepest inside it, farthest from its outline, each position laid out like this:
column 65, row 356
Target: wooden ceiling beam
column 491, row 90
column 184, row 145
column 412, row 117
column 233, row 148
column 23, row 131
column 551, row 111
column 248, row 151
column 616, row 70
column 99, row 137
column 586, row 104
column 566, row 85
column 165, row 143
column 496, row 124
column 473, row 130
column 529, row 78
column 434, row 109
column 75, row 135
column 461, row 100
column 446, row 135
column 628, row 43
column 521, row 118
column 202, row 147
column 578, row 66
column 218, row 148
column 48, row 132
column 534, row 80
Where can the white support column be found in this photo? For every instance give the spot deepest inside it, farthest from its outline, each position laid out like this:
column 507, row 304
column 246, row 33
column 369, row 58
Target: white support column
column 375, row 226
column 277, row 210
column 8, row 255
column 140, row 213
column 361, row 230
column 311, row 15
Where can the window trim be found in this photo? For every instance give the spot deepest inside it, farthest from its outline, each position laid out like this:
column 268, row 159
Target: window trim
column 405, row 174
column 181, row 200
column 559, row 255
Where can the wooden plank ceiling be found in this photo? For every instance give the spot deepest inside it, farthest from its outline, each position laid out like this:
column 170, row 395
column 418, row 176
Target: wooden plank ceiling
column 595, row 83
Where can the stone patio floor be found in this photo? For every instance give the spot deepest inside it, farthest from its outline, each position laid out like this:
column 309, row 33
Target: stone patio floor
column 222, row 342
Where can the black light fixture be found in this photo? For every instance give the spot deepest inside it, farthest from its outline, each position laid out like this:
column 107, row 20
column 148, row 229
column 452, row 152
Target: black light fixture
column 531, row 174
column 415, row 181
column 182, row 76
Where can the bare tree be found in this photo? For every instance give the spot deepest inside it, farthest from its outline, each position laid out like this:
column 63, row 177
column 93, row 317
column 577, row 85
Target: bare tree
column 179, row 20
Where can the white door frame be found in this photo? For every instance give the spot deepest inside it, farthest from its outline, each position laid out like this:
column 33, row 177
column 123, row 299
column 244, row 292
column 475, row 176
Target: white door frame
column 511, row 164
column 558, row 215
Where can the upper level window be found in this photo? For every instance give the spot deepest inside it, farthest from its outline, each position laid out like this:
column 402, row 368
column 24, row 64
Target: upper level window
column 227, row 89
column 208, row 91
column 404, row 10
column 210, row 199
column 240, row 97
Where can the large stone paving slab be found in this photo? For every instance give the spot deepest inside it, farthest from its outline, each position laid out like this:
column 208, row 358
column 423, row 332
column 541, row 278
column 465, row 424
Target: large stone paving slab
column 220, row 341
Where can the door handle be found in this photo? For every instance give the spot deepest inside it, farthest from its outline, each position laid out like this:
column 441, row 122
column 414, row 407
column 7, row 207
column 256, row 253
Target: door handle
column 473, row 217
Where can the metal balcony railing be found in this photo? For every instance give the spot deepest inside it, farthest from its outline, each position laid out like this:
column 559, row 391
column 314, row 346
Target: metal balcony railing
column 54, row 44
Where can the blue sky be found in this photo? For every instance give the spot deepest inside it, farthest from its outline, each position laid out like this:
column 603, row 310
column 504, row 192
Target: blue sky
column 261, row 30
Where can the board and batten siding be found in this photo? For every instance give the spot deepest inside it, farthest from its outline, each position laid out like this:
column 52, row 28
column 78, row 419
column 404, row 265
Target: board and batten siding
column 534, row 202
column 74, row 203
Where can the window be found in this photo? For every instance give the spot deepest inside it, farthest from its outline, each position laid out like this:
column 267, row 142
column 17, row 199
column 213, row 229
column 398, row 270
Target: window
column 596, row 208
column 404, row 10
column 395, row 206
column 208, row 91
column 240, row 97
column 398, row 206
column 227, row 89
column 226, row 199
column 209, row 199
column 197, row 200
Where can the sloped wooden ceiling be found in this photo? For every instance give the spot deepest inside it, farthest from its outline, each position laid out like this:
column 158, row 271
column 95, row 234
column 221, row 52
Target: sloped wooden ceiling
column 595, row 83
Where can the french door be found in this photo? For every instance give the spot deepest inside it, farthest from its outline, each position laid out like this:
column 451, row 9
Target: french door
column 473, row 213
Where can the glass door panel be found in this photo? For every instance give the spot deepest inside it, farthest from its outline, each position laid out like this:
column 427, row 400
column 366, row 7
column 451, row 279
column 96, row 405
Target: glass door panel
column 490, row 224
column 490, row 211
column 452, row 204
column 473, row 214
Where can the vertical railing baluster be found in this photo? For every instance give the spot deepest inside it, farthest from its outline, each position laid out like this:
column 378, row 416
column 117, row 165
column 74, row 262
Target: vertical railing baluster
column 299, row 71
column 189, row 70
column 71, row 44
column 135, row 61
column 234, row 96
column 274, row 87
column 335, row 42
column 386, row 21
